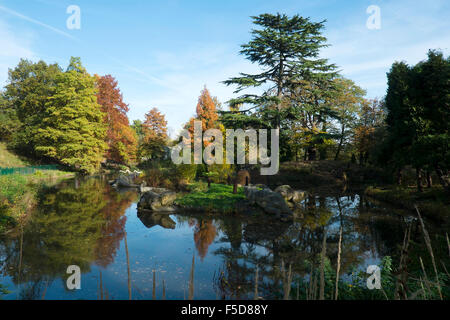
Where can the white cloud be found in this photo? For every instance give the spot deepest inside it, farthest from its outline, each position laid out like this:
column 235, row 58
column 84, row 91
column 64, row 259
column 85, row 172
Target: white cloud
column 13, row 48
column 408, row 30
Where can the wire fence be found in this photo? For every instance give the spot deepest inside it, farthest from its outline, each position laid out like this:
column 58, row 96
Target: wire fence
column 27, row 170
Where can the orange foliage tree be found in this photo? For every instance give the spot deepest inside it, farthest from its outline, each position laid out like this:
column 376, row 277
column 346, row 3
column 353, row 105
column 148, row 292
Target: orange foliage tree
column 204, row 234
column 154, row 135
column 120, row 137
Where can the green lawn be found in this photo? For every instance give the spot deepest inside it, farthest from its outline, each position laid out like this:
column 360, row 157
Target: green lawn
column 218, row 197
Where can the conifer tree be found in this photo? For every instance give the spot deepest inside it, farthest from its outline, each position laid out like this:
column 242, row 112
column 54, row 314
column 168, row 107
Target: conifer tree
column 73, row 130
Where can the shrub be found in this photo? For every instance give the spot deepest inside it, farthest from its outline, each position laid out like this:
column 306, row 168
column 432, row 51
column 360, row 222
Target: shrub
column 186, row 173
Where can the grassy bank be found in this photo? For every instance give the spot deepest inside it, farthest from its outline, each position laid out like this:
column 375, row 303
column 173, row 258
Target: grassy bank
column 218, row 198
column 9, row 159
column 18, row 195
column 432, row 202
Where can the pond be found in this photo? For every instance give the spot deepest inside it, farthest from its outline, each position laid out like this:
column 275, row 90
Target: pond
column 126, row 255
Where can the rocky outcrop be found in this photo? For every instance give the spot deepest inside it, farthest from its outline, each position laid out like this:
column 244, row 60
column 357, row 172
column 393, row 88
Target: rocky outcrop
column 290, row 194
column 271, row 202
column 158, row 202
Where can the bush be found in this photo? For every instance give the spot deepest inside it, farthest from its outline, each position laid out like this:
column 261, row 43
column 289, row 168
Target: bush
column 221, row 172
column 186, row 173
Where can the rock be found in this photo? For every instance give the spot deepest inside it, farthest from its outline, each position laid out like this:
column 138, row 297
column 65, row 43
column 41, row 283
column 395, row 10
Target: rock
column 160, row 202
column 290, row 194
column 167, row 198
column 271, row 202
column 152, row 219
column 124, row 181
column 143, row 189
column 243, row 178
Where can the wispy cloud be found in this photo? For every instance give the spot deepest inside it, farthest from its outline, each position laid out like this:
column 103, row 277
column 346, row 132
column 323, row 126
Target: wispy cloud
column 36, row 22
column 12, row 49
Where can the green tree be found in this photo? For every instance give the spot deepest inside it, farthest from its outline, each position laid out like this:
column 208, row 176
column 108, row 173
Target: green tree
column 418, row 118
column 72, row 130
column 346, row 103
column 9, row 123
column 29, row 86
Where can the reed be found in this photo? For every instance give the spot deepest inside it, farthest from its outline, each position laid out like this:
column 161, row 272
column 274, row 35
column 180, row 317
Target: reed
column 430, row 250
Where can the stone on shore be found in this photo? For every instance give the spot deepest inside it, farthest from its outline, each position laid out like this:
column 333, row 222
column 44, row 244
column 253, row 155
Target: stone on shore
column 159, row 202
column 271, row 202
column 290, row 194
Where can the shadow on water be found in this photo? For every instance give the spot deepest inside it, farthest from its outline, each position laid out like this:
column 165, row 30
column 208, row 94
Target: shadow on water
column 123, row 254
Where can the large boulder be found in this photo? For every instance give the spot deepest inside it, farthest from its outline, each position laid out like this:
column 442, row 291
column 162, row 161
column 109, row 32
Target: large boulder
column 159, row 202
column 271, row 202
column 290, row 194
column 124, row 181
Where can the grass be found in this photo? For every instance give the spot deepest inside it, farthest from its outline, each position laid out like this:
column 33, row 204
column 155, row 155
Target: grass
column 9, row 159
column 218, row 198
column 433, row 202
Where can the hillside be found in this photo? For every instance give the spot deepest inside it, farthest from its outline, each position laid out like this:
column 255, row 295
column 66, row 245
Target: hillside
column 9, row 159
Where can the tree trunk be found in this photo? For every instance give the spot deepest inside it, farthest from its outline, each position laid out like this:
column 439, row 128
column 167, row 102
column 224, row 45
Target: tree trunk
column 419, row 179
column 429, row 179
column 444, row 179
column 312, row 153
column 341, row 141
column 399, row 177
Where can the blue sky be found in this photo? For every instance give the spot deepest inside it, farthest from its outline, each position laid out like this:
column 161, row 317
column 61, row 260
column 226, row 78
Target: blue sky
column 164, row 52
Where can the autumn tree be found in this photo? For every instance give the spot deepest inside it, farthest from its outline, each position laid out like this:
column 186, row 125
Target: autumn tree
column 120, row 137
column 206, row 112
column 155, row 135
column 72, row 131
column 371, row 118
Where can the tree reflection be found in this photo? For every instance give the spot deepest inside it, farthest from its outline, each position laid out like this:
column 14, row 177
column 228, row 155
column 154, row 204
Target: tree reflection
column 72, row 225
column 204, row 235
column 275, row 252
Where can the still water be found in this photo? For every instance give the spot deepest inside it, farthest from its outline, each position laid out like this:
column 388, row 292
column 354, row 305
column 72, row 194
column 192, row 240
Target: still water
column 123, row 255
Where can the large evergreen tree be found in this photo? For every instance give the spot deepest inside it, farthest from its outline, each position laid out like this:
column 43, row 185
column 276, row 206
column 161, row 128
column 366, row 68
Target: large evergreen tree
column 155, row 138
column 418, row 119
column 294, row 79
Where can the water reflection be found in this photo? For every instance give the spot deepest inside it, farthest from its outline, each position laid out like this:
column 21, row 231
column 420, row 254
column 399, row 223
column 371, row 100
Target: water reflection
column 73, row 225
column 128, row 255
